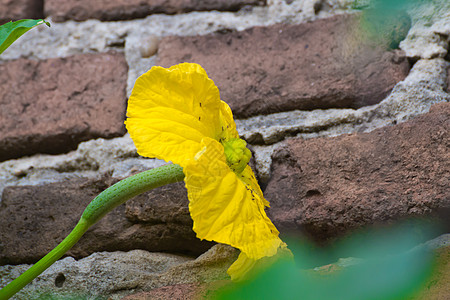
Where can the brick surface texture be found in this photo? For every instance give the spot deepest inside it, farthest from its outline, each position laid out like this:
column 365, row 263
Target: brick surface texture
column 81, row 10
column 50, row 106
column 12, row 10
column 315, row 65
column 326, row 187
column 39, row 217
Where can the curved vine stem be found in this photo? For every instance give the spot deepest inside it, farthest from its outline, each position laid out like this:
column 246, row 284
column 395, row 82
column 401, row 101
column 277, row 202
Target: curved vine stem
column 99, row 207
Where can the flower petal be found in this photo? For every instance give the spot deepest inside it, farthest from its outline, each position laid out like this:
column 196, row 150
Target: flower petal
column 171, row 110
column 228, row 126
column 224, row 208
column 248, row 177
column 245, row 267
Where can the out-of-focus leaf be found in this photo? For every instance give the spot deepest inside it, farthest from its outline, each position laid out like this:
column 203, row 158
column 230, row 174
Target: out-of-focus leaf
column 385, row 22
column 11, row 31
column 383, row 269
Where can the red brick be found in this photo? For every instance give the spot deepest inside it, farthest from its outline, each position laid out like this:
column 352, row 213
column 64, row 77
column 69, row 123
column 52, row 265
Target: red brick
column 326, row 187
column 34, row 219
column 12, row 10
column 81, row 10
column 315, row 65
column 50, row 106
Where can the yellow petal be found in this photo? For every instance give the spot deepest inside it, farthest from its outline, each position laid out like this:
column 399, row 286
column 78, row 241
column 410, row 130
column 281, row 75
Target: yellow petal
column 171, row 110
column 248, row 177
column 224, row 208
column 227, row 124
column 244, row 267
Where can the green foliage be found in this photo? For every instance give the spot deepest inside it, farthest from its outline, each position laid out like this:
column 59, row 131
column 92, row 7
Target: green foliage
column 385, row 22
column 11, row 31
column 382, row 267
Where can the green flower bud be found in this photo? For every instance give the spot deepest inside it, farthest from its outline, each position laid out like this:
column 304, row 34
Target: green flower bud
column 237, row 154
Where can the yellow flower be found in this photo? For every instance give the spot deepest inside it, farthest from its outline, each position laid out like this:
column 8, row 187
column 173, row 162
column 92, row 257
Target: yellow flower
column 176, row 114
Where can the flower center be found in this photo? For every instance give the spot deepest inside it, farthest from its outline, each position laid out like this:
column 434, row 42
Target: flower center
column 237, row 154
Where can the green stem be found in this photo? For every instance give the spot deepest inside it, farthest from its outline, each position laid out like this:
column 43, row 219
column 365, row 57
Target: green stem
column 39, row 267
column 100, row 206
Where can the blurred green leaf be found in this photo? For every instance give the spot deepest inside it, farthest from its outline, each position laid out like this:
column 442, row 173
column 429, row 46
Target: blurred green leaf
column 385, row 22
column 11, row 31
column 381, row 268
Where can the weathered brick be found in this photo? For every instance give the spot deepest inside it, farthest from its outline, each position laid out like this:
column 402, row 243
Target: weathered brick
column 34, row 219
column 81, row 10
column 326, row 187
column 12, row 10
column 315, row 65
column 50, row 106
